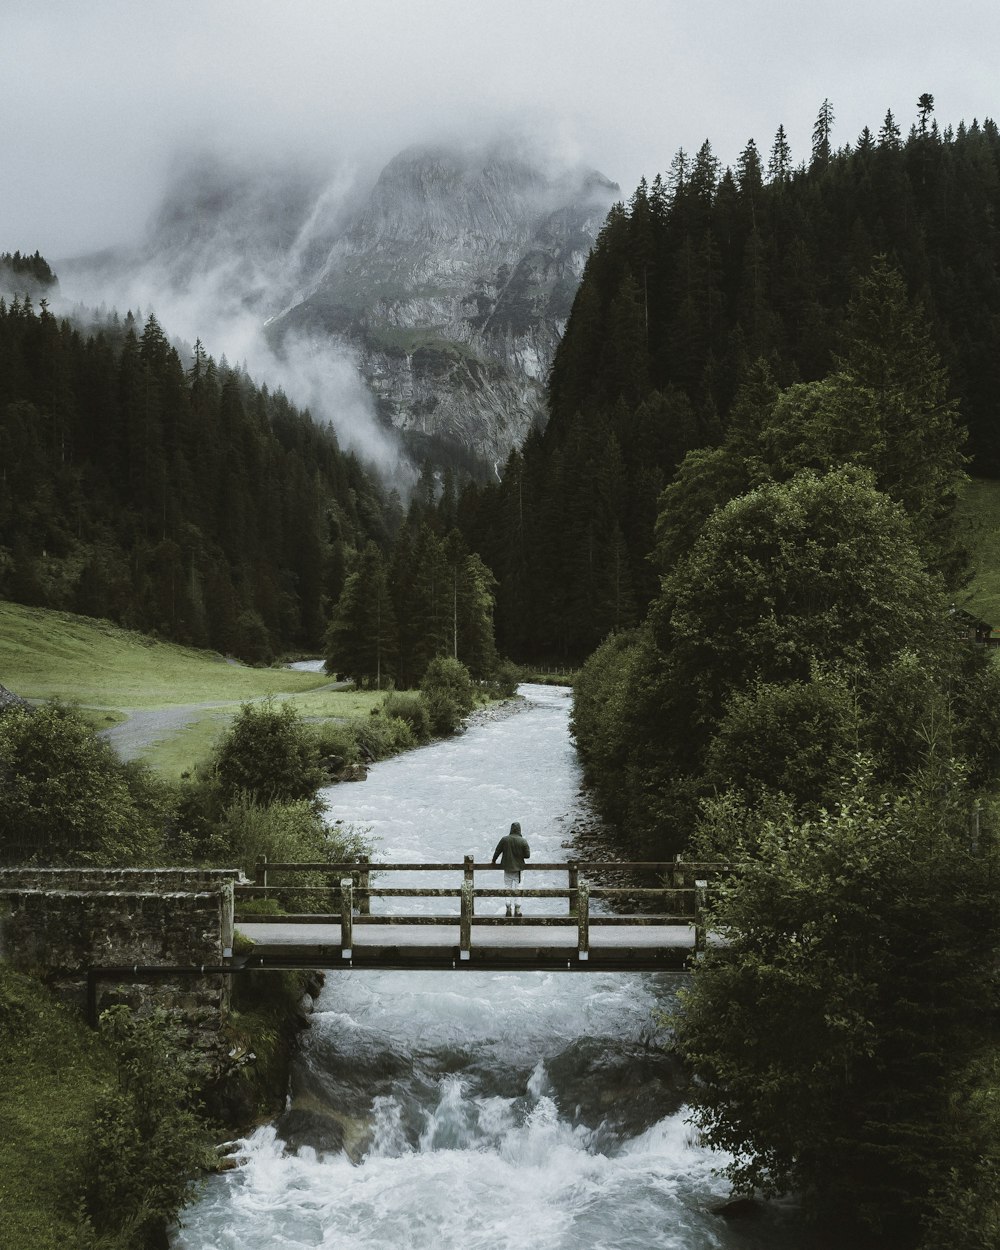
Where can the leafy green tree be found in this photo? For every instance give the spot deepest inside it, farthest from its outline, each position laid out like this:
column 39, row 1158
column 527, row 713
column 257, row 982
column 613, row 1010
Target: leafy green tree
column 833, row 1028
column 65, row 797
column 268, row 755
column 794, row 580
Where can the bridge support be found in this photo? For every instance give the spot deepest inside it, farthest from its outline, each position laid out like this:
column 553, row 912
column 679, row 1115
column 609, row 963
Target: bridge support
column 465, row 920
column 346, row 917
column 583, row 921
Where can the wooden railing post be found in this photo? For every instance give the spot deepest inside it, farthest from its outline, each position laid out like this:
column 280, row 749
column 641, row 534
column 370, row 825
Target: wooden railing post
column 347, row 917
column 583, row 920
column 573, row 870
column 469, row 879
column 260, row 871
column 700, row 898
column 364, row 882
column 680, row 883
column 465, row 924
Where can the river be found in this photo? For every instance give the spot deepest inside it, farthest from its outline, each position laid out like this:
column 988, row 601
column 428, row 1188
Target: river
column 475, row 1110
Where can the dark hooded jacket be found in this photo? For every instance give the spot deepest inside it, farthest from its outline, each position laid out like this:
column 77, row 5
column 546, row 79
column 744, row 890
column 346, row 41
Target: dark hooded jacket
column 513, row 849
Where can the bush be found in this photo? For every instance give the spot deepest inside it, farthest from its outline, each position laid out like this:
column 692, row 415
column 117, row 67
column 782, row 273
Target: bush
column 283, row 833
column 412, row 708
column 337, row 741
column 505, row 680
column 381, row 736
column 449, row 692
column 269, row 755
column 149, row 1141
column 65, row 796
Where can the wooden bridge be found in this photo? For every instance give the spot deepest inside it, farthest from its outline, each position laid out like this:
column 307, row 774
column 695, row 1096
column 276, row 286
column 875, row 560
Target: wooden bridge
column 341, row 930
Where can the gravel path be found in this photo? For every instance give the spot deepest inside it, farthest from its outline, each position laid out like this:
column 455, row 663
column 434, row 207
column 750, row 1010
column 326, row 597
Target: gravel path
column 146, row 726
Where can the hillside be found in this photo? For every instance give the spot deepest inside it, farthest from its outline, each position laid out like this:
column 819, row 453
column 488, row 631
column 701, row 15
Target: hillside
column 171, row 496
column 162, row 703
column 709, row 291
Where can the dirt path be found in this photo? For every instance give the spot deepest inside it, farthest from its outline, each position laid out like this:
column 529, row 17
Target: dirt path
column 146, row 726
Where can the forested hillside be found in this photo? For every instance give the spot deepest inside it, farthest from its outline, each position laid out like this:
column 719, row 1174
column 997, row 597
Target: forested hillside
column 765, row 388
column 169, row 497
column 703, row 273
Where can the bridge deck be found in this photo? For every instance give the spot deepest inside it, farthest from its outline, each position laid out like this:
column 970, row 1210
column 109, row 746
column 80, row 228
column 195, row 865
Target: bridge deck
column 517, row 945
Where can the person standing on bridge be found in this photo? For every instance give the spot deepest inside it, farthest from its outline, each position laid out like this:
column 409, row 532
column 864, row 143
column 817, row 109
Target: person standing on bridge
column 512, row 850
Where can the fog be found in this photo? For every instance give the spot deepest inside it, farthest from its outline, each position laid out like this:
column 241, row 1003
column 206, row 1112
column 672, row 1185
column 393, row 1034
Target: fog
column 105, row 103
column 97, row 97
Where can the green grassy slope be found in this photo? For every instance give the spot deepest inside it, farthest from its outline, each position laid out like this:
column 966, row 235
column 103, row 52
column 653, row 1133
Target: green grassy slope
column 979, row 528
column 45, row 654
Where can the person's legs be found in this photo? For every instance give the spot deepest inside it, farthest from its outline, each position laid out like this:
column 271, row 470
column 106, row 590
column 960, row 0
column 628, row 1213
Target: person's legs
column 511, row 880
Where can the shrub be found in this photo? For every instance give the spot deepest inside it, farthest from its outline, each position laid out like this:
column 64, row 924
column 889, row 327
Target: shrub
column 411, row 708
column 381, row 736
column 336, row 740
column 449, row 692
column 148, row 1140
column 65, row 796
column 283, row 832
column 505, row 680
column 268, row 754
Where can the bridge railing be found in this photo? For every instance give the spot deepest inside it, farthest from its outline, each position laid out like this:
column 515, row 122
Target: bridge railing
column 350, row 891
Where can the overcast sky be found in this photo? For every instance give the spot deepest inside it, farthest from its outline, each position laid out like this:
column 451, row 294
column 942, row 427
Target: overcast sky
column 96, row 96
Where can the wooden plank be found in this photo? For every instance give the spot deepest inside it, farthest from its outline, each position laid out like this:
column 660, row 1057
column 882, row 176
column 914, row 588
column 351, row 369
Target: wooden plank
column 375, row 866
column 671, row 920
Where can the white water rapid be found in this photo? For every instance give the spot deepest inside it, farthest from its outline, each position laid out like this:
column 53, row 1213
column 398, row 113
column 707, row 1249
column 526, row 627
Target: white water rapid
column 473, row 1110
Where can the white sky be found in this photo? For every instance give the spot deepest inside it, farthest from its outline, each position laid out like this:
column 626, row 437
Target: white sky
column 97, row 95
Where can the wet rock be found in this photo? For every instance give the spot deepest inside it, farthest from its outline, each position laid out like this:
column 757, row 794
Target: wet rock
column 626, row 1086
column 302, row 1126
column 738, row 1209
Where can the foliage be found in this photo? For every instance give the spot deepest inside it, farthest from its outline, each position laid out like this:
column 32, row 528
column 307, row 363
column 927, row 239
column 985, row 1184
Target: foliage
column 268, row 754
column 148, row 1140
column 380, row 736
column 505, row 679
column 362, row 638
column 798, row 738
column 410, row 707
column 65, row 796
column 965, row 1205
column 449, row 693
column 794, row 605
column 600, row 721
column 167, row 495
column 52, row 1070
column 831, row 1031
column 698, row 278
column 283, row 831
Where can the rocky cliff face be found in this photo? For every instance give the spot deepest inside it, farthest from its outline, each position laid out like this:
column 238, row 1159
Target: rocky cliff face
column 447, row 283
column 451, row 288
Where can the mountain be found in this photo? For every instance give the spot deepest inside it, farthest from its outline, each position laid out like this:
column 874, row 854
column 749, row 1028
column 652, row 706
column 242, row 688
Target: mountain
column 451, row 288
column 446, row 282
